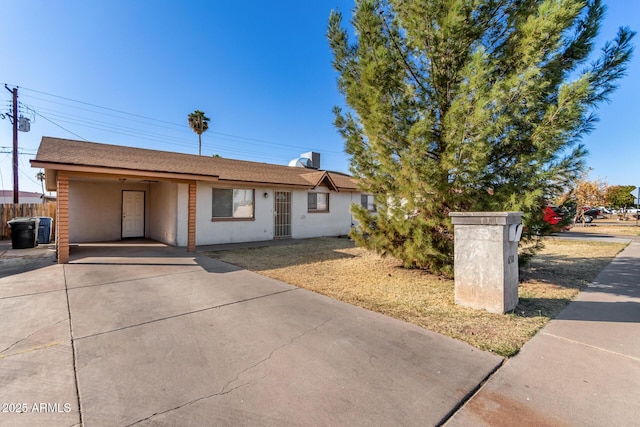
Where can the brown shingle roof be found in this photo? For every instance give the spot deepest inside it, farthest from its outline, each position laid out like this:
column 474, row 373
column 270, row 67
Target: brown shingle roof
column 59, row 152
column 344, row 181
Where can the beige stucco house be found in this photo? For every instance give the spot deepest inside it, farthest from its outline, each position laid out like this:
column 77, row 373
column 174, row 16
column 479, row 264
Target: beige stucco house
column 107, row 192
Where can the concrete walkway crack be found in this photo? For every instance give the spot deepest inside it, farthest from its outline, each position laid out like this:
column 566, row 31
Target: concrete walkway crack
column 73, row 345
column 224, row 390
column 30, row 335
column 590, row 346
column 187, row 313
column 315, row 328
column 128, row 280
column 471, row 394
column 32, row 293
column 191, row 402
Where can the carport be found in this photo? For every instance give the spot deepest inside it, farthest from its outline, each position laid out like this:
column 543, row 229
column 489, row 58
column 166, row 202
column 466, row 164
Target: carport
column 107, row 194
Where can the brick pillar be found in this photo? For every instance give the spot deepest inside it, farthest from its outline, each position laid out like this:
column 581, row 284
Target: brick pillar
column 62, row 219
column 191, row 221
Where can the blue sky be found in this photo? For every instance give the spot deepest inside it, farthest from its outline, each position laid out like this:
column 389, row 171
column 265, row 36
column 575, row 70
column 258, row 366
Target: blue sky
column 260, row 70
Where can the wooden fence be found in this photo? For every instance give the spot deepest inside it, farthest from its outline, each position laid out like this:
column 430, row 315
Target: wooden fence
column 10, row 210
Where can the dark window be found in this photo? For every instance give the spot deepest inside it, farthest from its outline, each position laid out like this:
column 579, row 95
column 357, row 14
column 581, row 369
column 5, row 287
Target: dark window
column 233, row 203
column 367, row 201
column 318, row 202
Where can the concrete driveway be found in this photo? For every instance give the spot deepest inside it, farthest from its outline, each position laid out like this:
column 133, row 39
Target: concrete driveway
column 150, row 335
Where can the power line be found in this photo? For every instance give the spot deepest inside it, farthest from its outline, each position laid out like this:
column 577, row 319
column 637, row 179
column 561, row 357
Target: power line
column 99, row 106
column 25, row 174
column 107, row 126
column 150, row 136
column 105, row 114
column 157, row 139
column 60, row 111
column 54, row 123
column 80, row 120
column 184, row 128
column 181, row 126
column 19, row 152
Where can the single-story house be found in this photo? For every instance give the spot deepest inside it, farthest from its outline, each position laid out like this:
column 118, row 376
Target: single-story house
column 6, row 196
column 108, row 192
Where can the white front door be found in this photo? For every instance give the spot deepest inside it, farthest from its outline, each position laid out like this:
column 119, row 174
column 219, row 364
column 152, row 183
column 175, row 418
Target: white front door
column 132, row 214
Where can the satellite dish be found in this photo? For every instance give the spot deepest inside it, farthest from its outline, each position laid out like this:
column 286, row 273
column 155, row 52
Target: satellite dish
column 300, row 162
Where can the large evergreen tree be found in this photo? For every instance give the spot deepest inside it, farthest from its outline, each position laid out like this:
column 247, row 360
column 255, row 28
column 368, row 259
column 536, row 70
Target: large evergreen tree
column 465, row 105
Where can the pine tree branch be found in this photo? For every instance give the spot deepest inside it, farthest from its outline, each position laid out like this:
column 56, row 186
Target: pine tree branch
column 402, row 54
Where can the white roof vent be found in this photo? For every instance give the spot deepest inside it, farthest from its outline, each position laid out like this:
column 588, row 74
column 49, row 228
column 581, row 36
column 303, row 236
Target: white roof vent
column 310, row 160
column 300, row 162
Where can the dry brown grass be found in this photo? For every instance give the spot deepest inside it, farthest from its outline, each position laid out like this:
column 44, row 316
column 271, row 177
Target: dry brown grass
column 334, row 267
column 608, row 229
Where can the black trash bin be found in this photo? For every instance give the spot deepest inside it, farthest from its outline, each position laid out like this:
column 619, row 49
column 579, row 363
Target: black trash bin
column 44, row 230
column 24, row 232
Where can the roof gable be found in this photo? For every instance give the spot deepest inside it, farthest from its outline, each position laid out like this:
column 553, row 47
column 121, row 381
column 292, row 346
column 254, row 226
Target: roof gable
column 320, row 177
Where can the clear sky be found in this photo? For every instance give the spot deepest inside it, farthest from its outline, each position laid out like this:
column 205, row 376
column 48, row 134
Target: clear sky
column 261, row 70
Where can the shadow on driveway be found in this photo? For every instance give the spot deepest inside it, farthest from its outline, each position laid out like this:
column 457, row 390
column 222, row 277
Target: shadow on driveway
column 143, row 252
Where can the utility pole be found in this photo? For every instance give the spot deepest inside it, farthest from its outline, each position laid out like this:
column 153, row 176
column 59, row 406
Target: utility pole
column 14, row 91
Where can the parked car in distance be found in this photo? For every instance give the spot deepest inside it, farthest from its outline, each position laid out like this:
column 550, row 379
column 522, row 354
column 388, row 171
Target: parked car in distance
column 590, row 214
column 588, row 219
column 553, row 215
column 606, row 211
column 593, row 212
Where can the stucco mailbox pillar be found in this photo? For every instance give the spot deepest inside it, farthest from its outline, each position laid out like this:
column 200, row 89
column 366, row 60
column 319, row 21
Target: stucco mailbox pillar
column 486, row 259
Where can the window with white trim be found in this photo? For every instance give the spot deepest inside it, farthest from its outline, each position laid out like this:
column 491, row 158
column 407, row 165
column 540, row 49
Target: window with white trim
column 318, row 202
column 233, row 203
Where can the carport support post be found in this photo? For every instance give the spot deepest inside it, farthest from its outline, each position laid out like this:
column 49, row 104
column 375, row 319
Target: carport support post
column 62, row 219
column 486, row 259
column 191, row 219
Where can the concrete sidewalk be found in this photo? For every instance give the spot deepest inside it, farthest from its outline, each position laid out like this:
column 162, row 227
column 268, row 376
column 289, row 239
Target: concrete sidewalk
column 582, row 369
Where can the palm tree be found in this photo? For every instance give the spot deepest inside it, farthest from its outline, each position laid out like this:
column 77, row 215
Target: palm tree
column 199, row 123
column 40, row 176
